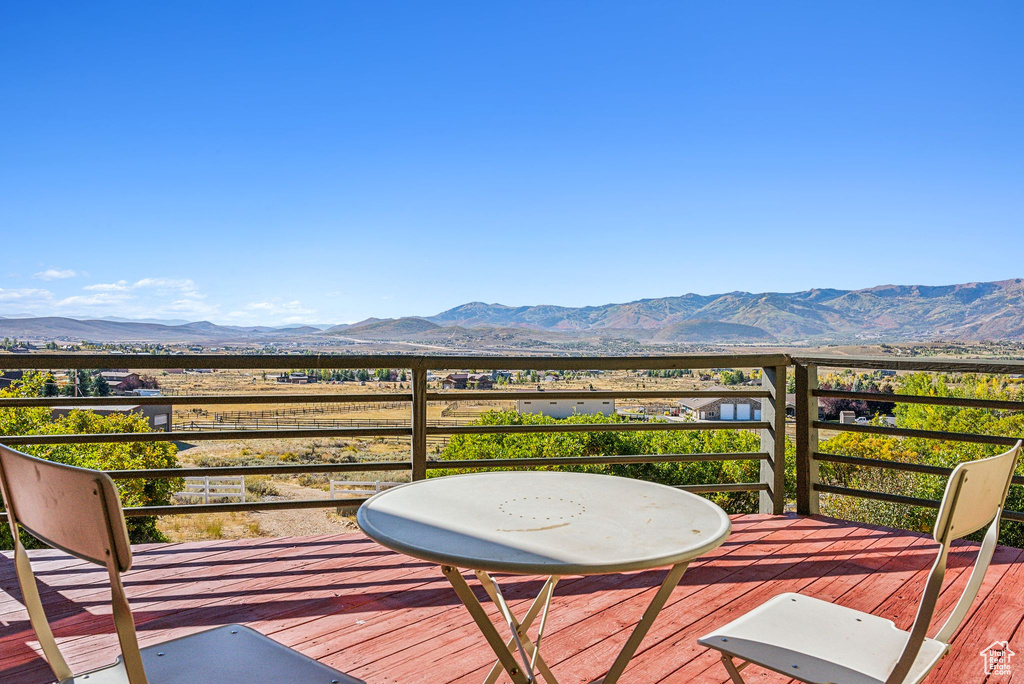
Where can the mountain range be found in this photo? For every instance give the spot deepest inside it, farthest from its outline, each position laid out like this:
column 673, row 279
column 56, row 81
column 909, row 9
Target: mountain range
column 969, row 312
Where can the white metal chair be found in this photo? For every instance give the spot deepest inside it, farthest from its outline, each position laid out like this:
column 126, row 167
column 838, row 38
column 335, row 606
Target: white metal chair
column 78, row 511
column 817, row 641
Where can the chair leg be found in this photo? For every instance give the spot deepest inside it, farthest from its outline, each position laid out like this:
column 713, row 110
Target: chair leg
column 730, row 667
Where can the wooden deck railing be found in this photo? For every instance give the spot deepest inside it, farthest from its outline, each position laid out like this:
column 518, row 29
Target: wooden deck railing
column 771, row 484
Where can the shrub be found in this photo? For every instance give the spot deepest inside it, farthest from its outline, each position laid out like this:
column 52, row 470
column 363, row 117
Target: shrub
column 540, row 445
column 106, row 456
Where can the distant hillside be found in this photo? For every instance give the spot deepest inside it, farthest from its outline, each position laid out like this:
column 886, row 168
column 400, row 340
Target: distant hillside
column 969, row 312
column 386, row 329
column 710, row 331
column 972, row 311
column 420, row 330
column 74, row 330
column 158, row 321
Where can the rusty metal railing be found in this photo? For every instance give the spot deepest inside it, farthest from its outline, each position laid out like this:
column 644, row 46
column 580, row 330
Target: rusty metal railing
column 809, row 487
column 770, row 486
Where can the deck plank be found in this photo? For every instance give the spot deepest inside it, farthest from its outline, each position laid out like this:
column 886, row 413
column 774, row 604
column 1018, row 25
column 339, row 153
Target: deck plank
column 812, row 560
column 575, row 597
column 387, row 618
column 81, row 619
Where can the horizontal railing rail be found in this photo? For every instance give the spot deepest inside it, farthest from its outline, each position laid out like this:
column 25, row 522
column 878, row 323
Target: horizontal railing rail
column 293, row 423
column 912, row 432
column 203, row 399
column 1015, row 516
column 923, row 468
column 895, row 363
column 470, row 464
column 201, row 435
column 56, row 361
column 418, row 429
column 621, row 426
column 958, row 402
column 505, row 395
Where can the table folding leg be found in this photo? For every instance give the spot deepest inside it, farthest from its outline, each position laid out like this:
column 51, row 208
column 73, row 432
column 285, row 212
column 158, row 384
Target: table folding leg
column 528, row 650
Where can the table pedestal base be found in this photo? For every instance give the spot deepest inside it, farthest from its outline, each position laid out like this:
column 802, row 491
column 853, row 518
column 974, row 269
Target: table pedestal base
column 529, row 650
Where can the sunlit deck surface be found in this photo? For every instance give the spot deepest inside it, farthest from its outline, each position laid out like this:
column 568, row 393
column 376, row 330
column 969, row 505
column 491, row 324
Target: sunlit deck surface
column 384, row 617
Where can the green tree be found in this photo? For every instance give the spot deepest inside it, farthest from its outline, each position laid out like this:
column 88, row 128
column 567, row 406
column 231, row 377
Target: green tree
column 100, row 386
column 85, row 383
column 540, row 445
column 49, row 388
column 115, row 456
column 732, row 377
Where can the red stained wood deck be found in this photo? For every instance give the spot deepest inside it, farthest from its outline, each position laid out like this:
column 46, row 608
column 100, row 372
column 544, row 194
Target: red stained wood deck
column 384, row 617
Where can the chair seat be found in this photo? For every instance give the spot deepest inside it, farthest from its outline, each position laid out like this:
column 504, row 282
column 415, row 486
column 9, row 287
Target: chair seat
column 818, row 641
column 232, row 654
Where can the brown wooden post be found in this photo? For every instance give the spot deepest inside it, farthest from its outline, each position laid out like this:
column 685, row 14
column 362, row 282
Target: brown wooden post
column 806, row 439
column 419, row 423
column 773, row 441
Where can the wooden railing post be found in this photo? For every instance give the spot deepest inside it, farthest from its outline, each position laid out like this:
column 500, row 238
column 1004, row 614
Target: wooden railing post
column 773, row 441
column 806, row 439
column 419, row 423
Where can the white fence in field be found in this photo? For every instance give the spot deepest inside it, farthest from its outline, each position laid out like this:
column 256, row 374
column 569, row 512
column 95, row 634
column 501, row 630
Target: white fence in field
column 354, row 489
column 206, row 488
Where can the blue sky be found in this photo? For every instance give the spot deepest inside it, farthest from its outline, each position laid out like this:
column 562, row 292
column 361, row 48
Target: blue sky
column 249, row 162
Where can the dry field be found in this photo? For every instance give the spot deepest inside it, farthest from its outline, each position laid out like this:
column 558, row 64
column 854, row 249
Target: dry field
column 324, row 450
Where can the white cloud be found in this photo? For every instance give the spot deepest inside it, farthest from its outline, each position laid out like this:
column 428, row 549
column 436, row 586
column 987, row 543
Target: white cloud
column 145, row 298
column 119, row 286
column 99, row 299
column 57, row 274
column 184, row 286
column 25, row 295
column 151, row 297
column 186, row 306
column 292, row 311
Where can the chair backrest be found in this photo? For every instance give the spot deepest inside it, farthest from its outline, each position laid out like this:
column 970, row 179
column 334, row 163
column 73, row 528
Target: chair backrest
column 974, row 495
column 74, row 509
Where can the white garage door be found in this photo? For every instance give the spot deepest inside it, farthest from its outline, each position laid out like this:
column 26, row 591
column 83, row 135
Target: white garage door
column 728, row 411
column 742, row 411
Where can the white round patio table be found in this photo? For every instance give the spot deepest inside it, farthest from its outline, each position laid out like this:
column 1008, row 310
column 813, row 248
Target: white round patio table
column 544, row 523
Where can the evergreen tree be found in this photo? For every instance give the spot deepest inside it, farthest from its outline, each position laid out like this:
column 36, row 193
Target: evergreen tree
column 101, row 388
column 85, row 384
column 50, row 388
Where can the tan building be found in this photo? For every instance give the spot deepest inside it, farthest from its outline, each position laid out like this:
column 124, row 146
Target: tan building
column 722, row 408
column 557, row 407
column 158, row 415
